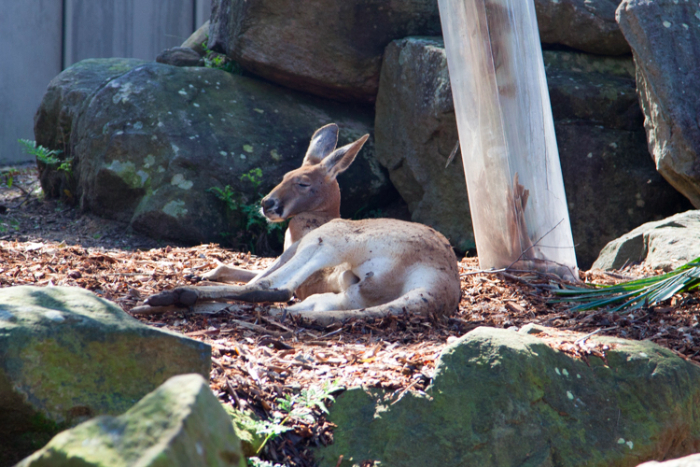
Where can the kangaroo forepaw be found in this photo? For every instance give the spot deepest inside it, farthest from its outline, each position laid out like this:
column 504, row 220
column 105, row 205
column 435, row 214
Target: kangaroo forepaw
column 182, row 296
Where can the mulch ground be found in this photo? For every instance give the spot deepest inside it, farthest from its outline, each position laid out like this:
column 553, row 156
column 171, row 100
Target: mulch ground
column 257, row 359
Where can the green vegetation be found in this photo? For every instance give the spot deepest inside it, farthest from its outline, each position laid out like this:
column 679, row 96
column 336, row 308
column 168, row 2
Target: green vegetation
column 63, row 182
column 48, row 157
column 6, row 225
column 220, row 61
column 244, row 214
column 635, row 294
column 8, row 176
column 300, row 408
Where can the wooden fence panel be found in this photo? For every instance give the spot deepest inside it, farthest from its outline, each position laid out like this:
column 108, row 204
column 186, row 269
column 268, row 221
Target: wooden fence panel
column 125, row 28
column 41, row 37
column 202, row 13
column 30, row 53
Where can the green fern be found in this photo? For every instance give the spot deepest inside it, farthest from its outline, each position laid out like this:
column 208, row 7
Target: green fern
column 42, row 154
column 47, row 156
column 300, row 407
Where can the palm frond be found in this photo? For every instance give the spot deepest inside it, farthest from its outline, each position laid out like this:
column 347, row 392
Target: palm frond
column 634, row 294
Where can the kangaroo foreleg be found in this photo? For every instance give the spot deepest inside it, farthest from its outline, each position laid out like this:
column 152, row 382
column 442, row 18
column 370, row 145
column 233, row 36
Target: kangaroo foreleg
column 224, row 273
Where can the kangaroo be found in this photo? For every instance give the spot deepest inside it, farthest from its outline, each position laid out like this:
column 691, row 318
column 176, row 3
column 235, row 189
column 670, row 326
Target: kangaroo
column 339, row 268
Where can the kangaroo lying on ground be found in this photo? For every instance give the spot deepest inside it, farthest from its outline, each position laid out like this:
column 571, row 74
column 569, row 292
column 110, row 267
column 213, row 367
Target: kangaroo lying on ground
column 339, row 268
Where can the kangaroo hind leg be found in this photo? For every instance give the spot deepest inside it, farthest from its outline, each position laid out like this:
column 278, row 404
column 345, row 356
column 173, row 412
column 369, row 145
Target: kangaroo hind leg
column 424, row 292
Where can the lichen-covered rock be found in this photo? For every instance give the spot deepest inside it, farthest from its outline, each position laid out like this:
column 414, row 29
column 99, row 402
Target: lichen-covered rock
column 330, row 48
column 581, row 24
column 180, row 424
column 665, row 244
column 689, row 461
column 149, row 146
column 665, row 40
column 61, row 106
column 66, row 354
column 598, row 122
column 504, row 398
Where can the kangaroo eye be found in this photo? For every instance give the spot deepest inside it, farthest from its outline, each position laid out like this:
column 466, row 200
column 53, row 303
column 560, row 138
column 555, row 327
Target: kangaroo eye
column 303, row 185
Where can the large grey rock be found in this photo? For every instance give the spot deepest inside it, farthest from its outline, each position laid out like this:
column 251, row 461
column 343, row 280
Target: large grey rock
column 581, row 24
column 66, row 354
column 665, row 244
column 505, row 398
column 665, row 40
column 330, row 48
column 598, row 122
column 180, row 424
column 61, row 106
column 150, row 144
column 689, row 461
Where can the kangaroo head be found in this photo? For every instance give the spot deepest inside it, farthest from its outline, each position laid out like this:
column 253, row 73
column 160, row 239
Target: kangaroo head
column 312, row 188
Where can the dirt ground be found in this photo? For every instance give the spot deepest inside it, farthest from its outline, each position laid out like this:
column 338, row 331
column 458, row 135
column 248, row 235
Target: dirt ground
column 257, row 359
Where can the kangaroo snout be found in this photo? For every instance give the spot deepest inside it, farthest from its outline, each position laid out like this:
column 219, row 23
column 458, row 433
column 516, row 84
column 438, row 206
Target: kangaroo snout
column 271, row 208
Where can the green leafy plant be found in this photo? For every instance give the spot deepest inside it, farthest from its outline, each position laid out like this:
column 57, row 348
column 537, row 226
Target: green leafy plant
column 298, row 407
column 42, row 154
column 227, row 195
column 8, row 176
column 219, row 61
column 246, row 214
column 635, row 294
column 48, row 157
column 66, row 166
column 254, row 177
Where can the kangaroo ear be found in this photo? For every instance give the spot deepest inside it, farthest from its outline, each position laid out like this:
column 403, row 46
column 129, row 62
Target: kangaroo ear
column 340, row 159
column 322, row 143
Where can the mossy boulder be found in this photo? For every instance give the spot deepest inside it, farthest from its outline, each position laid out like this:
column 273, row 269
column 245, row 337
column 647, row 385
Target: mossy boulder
column 67, row 355
column 149, row 145
column 179, row 424
column 60, row 109
column 505, row 398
